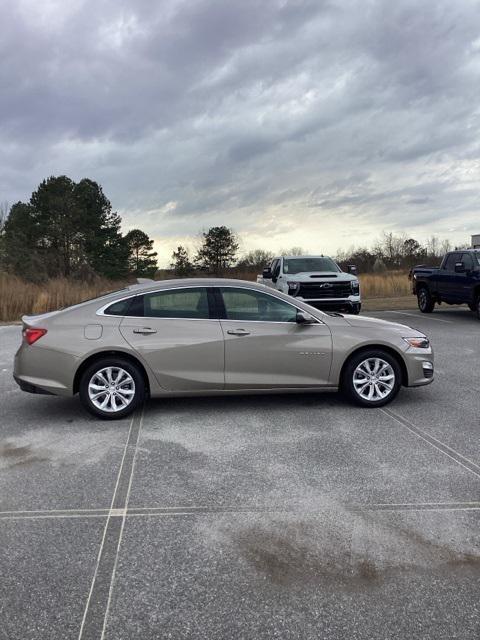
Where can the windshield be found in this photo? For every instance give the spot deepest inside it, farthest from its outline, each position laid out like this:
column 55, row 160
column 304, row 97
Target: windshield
column 477, row 256
column 301, row 265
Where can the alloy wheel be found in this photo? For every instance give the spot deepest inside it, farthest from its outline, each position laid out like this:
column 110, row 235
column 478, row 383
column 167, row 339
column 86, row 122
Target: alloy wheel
column 111, row 389
column 374, row 379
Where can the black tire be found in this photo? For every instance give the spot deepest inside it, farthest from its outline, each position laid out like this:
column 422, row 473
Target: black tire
column 426, row 304
column 477, row 308
column 355, row 309
column 135, row 389
column 472, row 306
column 349, row 388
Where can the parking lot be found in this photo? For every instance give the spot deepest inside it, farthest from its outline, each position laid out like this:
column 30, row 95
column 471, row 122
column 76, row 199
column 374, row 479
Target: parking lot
column 293, row 516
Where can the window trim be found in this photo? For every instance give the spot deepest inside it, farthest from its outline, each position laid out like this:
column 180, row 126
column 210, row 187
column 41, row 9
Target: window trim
column 214, row 306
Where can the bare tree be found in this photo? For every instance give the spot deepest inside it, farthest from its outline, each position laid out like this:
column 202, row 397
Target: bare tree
column 4, row 211
column 293, row 251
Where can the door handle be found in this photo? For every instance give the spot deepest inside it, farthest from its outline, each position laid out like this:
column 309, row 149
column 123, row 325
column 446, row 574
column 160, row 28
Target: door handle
column 145, row 330
column 238, row 332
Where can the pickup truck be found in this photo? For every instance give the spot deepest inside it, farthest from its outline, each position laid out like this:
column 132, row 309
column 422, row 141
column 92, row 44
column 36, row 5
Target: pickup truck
column 456, row 281
column 316, row 280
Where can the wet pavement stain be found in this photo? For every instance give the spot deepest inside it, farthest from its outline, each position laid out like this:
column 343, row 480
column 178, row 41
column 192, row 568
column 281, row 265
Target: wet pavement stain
column 15, row 456
column 303, row 553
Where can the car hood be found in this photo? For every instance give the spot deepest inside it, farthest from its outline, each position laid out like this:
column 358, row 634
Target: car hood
column 320, row 276
column 370, row 323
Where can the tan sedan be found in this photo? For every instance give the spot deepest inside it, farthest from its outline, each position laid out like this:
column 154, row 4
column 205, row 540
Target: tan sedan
column 213, row 336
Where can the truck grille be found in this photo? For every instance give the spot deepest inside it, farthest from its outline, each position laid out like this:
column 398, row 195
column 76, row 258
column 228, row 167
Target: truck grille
column 318, row 290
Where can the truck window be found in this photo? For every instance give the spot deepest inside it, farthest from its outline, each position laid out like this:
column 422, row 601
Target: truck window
column 302, row 265
column 467, row 261
column 452, row 258
column 276, row 269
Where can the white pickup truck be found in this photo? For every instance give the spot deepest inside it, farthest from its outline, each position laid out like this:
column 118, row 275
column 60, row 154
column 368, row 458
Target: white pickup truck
column 316, row 280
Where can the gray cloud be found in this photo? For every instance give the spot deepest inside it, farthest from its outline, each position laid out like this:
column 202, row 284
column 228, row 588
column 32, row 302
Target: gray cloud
column 286, row 120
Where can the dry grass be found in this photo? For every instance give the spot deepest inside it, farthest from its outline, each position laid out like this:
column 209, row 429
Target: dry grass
column 18, row 297
column 391, row 284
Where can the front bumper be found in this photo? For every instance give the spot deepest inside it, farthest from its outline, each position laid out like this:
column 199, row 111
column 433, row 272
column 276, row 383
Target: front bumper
column 334, row 304
column 420, row 368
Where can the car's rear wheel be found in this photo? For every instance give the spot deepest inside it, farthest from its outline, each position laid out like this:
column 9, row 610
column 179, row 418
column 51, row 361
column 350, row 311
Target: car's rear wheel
column 372, row 378
column 478, row 307
column 426, row 303
column 112, row 388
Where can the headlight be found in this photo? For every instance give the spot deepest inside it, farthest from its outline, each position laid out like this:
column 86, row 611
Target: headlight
column 293, row 286
column 418, row 343
column 355, row 286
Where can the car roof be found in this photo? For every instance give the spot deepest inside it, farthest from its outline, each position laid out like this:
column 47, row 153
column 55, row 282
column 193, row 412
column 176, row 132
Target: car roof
column 303, row 257
column 189, row 282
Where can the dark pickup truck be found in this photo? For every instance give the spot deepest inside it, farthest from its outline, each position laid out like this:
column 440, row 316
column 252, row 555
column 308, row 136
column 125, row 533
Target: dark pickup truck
column 456, row 281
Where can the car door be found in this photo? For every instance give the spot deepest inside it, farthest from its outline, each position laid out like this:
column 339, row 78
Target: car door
column 176, row 335
column 265, row 348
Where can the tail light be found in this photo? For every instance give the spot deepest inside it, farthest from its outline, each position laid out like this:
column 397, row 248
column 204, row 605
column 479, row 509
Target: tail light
column 31, row 334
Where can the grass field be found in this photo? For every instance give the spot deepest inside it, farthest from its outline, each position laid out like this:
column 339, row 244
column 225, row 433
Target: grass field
column 18, row 297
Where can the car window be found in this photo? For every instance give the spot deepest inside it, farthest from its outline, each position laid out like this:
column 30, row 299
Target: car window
column 243, row 304
column 276, row 268
column 180, row 303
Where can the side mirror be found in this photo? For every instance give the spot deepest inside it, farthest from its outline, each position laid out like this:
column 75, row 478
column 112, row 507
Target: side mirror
column 266, row 273
column 304, row 318
column 352, row 269
column 459, row 267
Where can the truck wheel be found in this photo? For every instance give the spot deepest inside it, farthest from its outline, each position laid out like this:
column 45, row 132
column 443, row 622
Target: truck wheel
column 372, row 378
column 478, row 307
column 425, row 302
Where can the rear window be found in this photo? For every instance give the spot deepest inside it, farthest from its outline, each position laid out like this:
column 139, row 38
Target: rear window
column 119, row 308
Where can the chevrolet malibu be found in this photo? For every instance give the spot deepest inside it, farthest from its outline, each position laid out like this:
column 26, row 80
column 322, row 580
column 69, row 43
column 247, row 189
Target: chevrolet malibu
column 212, row 337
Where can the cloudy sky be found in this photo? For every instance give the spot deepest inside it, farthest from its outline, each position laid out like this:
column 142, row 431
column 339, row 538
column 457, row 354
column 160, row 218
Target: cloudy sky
column 317, row 123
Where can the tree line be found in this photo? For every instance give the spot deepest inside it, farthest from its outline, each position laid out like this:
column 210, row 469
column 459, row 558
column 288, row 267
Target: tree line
column 397, row 252
column 68, row 229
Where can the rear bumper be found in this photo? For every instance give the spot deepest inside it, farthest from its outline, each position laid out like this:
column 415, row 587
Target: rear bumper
column 41, row 370
column 31, row 388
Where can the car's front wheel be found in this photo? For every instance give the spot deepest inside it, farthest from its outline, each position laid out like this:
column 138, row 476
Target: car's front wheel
column 372, row 378
column 112, row 388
